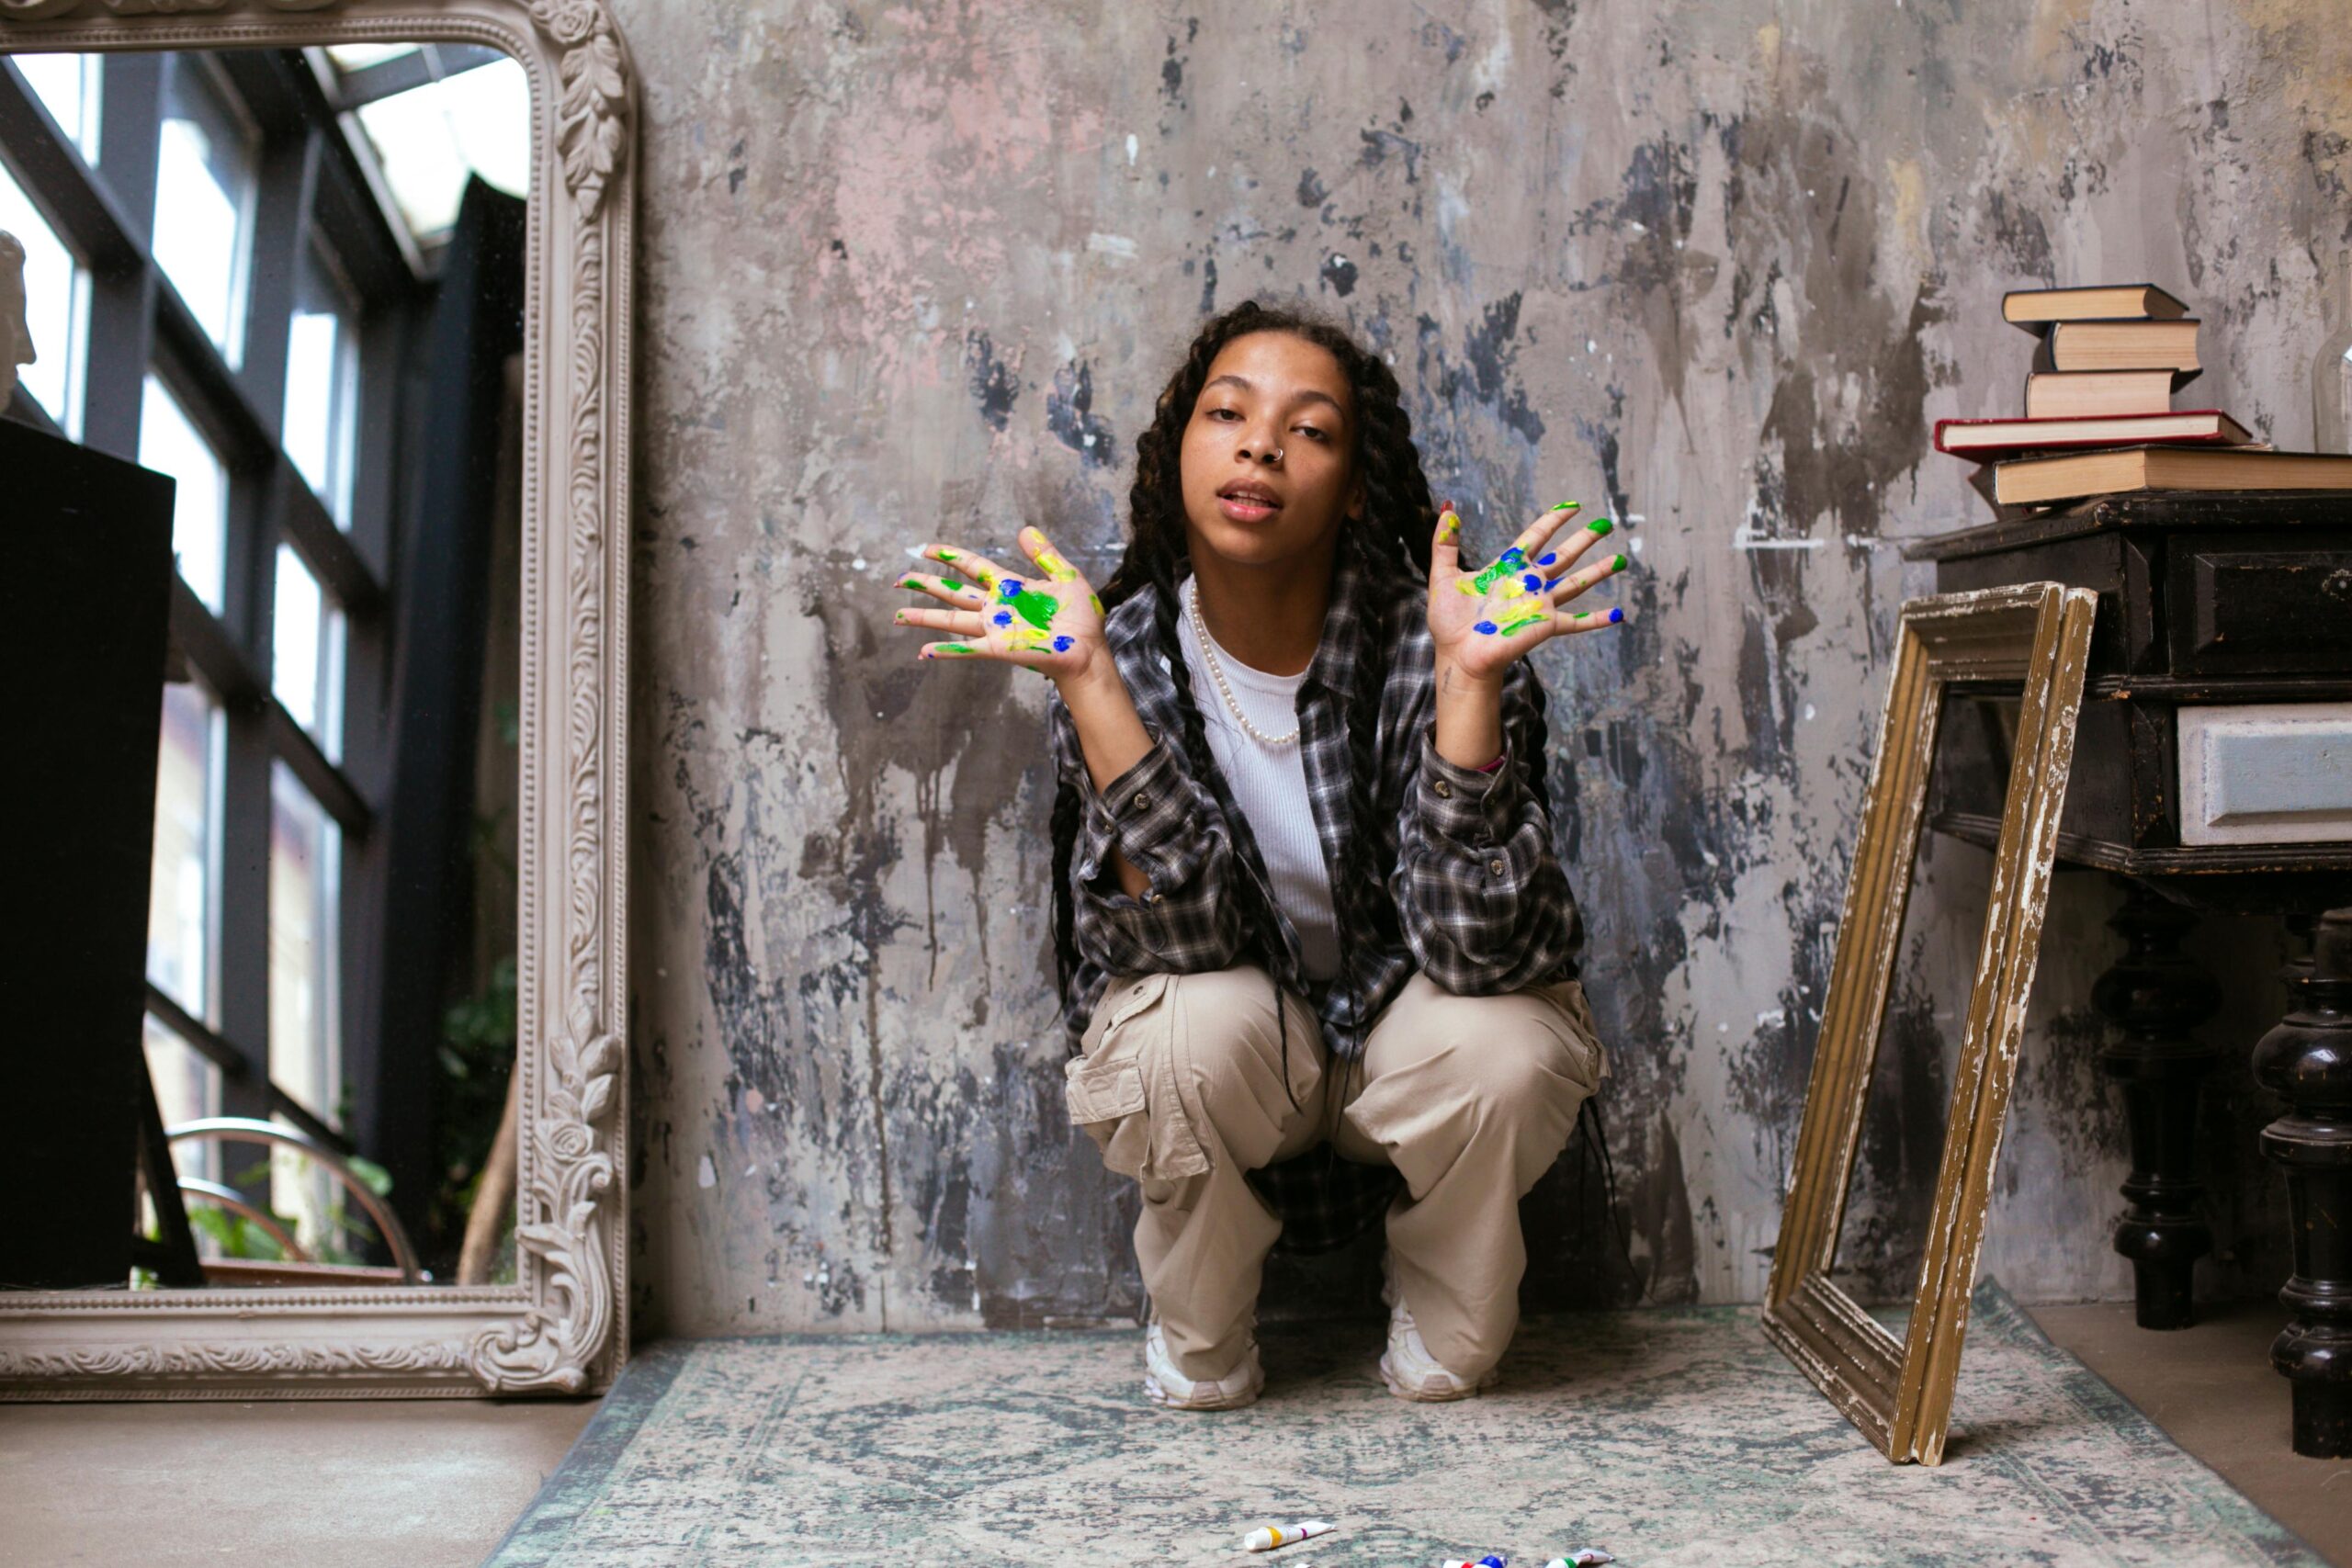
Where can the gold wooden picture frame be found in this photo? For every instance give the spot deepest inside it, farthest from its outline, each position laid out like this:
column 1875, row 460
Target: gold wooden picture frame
column 2033, row 636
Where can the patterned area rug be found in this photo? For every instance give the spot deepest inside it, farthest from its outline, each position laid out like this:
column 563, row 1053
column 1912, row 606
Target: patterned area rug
column 1669, row 1437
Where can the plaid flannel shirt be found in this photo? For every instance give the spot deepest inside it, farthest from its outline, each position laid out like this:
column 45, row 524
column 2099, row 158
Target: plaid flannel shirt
column 1476, row 898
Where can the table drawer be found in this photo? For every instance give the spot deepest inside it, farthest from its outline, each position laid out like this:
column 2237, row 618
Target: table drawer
column 2258, row 606
column 2267, row 774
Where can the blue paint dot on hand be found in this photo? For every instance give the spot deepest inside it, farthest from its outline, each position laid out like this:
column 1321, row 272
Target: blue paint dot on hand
column 1532, row 581
column 1003, row 617
column 1008, row 587
column 1062, row 644
column 1557, row 580
column 1547, row 558
column 1615, row 616
column 1487, row 627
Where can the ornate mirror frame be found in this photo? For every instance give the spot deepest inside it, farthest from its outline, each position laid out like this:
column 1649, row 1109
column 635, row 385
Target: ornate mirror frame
column 563, row 1328
column 2035, row 636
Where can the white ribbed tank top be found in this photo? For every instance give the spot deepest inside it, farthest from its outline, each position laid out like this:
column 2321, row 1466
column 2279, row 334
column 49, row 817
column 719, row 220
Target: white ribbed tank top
column 1269, row 783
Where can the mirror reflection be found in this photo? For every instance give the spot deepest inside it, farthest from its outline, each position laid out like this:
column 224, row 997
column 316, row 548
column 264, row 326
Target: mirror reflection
column 291, row 284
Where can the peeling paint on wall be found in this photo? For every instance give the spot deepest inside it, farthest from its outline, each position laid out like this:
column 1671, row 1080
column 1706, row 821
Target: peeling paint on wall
column 917, row 273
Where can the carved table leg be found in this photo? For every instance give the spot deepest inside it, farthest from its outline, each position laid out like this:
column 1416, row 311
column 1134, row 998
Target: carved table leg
column 2156, row 996
column 2307, row 1060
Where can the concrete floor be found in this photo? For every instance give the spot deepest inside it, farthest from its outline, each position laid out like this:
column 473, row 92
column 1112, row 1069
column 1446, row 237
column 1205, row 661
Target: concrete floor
column 2212, row 1388
column 357, row 1483
column 424, row 1484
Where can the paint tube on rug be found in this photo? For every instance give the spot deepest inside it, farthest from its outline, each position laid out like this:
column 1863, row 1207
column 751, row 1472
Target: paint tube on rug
column 1492, row 1559
column 1583, row 1559
column 1273, row 1536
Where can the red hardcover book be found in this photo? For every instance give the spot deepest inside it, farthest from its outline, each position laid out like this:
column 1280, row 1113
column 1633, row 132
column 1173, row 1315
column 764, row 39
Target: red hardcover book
column 1987, row 440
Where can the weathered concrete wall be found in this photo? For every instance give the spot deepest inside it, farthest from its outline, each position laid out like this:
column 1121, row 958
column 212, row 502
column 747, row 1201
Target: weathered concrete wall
column 918, row 271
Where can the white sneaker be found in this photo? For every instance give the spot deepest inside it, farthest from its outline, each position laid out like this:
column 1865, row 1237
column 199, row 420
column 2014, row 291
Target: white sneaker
column 1163, row 1384
column 1407, row 1366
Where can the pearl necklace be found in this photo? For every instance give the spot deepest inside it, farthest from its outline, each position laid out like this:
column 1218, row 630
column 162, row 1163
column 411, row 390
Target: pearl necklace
column 1208, row 653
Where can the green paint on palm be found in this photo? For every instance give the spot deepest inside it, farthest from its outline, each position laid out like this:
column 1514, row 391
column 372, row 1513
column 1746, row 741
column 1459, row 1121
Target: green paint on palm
column 1037, row 609
column 1511, row 562
column 1534, row 614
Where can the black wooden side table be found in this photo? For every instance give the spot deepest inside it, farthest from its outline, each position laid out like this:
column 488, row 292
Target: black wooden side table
column 2212, row 770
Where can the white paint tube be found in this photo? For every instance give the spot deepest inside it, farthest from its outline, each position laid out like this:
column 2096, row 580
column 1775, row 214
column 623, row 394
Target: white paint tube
column 1273, row 1536
column 1584, row 1559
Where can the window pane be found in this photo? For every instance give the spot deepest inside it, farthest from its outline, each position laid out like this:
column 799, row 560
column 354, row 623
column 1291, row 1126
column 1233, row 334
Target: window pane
column 306, row 653
column 169, row 443
column 305, row 1041
column 321, row 385
column 67, row 87
column 56, row 300
column 430, row 138
column 179, row 897
column 204, row 186
column 188, row 1086
column 359, row 56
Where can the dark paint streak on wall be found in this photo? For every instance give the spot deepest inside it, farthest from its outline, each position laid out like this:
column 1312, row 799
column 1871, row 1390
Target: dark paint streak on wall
column 994, row 388
column 1070, row 415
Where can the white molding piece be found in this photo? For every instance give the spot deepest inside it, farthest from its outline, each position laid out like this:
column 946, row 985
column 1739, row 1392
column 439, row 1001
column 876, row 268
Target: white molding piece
column 564, row 1327
column 2265, row 774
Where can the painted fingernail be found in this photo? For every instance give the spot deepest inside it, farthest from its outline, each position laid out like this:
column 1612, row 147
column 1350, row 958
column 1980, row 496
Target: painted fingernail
column 1615, row 616
column 1599, row 526
column 1620, row 564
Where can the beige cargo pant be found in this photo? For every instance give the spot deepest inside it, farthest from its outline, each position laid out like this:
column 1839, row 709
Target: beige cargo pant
column 1471, row 1098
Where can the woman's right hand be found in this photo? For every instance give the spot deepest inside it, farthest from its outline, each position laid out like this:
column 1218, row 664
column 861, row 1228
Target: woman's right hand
column 1052, row 624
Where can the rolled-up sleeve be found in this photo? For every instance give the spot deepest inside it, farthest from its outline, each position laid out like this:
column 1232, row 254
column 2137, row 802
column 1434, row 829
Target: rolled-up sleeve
column 1485, row 905
column 1166, row 827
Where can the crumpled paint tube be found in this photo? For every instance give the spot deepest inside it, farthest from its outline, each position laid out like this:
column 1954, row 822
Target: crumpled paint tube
column 1583, row 1559
column 1273, row 1536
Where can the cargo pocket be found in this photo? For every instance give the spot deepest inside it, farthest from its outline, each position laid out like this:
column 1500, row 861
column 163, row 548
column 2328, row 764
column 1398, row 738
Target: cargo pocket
column 1123, row 1091
column 1586, row 1031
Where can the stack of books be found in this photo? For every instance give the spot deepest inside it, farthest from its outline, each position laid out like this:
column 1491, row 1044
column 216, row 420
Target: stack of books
column 2098, row 414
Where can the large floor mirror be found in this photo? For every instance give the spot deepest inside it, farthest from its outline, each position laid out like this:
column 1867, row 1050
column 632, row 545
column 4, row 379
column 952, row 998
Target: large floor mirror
column 349, row 1081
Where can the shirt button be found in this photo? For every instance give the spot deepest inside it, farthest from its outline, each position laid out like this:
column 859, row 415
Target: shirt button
column 1142, row 801
column 1152, row 894
column 1444, row 790
column 1496, row 865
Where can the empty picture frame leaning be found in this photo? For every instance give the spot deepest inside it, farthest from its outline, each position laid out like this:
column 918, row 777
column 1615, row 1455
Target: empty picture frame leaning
column 562, row 1327
column 2036, row 635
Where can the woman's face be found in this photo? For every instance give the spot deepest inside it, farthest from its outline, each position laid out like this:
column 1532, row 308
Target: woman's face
column 1270, row 392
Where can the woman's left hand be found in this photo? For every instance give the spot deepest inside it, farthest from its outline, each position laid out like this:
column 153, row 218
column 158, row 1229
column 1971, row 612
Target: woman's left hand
column 1481, row 621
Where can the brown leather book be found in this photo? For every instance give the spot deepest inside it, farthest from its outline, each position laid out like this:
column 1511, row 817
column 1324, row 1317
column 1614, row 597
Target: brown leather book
column 2098, row 394
column 2036, row 308
column 2023, row 481
column 2120, row 345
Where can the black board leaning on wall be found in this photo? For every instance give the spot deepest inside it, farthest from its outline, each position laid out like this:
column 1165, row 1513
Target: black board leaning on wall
column 85, row 585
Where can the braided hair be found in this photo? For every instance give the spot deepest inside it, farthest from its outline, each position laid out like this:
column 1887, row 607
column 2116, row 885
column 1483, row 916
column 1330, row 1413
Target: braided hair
column 1392, row 542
